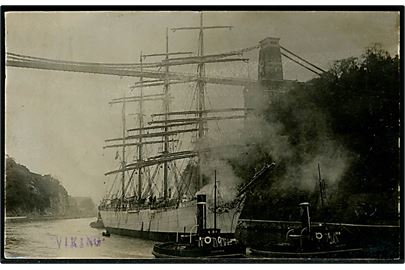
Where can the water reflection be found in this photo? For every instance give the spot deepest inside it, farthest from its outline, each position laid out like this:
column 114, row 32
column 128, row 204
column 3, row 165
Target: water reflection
column 70, row 238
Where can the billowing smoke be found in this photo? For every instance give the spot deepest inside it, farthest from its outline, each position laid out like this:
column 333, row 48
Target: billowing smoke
column 333, row 161
column 287, row 131
column 216, row 160
column 338, row 121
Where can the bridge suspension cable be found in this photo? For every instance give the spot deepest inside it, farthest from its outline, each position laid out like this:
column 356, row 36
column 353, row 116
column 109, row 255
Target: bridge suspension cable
column 301, row 61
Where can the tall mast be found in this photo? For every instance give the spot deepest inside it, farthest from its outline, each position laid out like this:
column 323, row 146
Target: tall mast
column 167, row 122
column 123, row 152
column 200, row 87
column 166, row 110
column 140, row 157
column 320, row 184
column 321, row 191
column 201, row 98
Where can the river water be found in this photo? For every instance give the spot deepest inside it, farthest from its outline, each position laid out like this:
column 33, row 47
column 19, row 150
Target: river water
column 70, row 238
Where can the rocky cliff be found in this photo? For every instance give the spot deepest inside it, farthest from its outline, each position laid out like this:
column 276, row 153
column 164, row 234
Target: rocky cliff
column 32, row 194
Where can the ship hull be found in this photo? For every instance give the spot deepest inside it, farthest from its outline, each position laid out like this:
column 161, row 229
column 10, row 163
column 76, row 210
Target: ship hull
column 164, row 224
column 337, row 253
column 179, row 250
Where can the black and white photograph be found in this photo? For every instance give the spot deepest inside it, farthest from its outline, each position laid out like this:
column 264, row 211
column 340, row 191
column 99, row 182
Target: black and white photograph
column 202, row 135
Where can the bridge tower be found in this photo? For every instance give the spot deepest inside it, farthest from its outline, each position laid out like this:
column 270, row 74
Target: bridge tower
column 270, row 76
column 270, row 65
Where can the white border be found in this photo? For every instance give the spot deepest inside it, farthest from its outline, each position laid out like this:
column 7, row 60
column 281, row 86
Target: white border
column 202, row 266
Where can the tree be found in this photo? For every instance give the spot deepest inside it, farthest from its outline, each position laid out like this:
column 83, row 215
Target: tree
column 353, row 108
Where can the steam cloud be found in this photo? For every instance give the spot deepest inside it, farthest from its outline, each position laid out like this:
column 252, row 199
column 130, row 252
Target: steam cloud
column 269, row 129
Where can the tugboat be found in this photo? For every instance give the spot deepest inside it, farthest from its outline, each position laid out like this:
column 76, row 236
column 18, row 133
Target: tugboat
column 98, row 224
column 309, row 242
column 316, row 240
column 206, row 243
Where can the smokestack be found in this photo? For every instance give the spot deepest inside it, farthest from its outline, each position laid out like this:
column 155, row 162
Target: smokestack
column 305, row 218
column 201, row 212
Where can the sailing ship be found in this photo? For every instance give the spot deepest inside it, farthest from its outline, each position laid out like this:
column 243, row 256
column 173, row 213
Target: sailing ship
column 160, row 208
column 147, row 204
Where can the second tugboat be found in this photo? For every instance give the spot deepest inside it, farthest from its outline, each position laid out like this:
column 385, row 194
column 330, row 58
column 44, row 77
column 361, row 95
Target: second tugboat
column 207, row 242
column 309, row 242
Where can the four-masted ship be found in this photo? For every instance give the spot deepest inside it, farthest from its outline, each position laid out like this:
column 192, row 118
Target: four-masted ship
column 145, row 205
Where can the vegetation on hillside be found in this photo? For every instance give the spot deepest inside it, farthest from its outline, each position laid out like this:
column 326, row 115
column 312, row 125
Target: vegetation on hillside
column 33, row 194
column 348, row 120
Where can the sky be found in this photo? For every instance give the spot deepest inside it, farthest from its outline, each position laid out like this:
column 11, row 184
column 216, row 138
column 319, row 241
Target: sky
column 56, row 122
